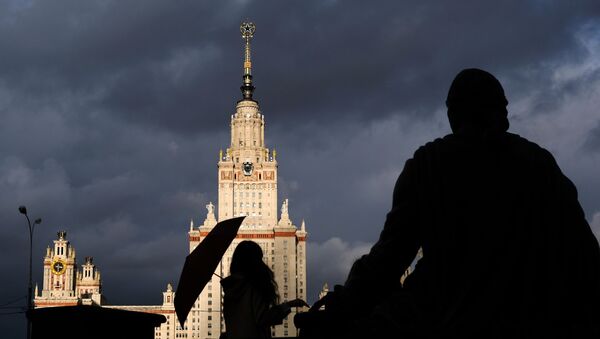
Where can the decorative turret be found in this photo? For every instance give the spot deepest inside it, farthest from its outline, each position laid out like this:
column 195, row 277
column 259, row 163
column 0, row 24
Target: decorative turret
column 169, row 296
column 247, row 29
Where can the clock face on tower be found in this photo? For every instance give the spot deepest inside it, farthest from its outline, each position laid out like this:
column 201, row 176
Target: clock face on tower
column 247, row 168
column 58, row 267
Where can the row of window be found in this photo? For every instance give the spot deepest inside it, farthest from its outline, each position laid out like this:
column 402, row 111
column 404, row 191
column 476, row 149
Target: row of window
column 241, row 194
column 254, row 205
column 239, row 187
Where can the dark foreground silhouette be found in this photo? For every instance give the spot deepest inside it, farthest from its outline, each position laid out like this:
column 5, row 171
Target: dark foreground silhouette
column 251, row 303
column 507, row 252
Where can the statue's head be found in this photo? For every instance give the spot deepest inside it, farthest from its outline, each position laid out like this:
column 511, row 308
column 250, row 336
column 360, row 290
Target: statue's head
column 476, row 101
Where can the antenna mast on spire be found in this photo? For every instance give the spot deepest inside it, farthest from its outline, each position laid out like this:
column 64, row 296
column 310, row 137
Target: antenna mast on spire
column 247, row 29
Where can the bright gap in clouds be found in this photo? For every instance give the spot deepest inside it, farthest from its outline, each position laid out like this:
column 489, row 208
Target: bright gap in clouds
column 329, row 262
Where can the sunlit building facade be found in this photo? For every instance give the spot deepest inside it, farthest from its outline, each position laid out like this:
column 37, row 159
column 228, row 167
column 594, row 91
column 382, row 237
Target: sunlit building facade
column 66, row 284
column 247, row 181
column 247, row 186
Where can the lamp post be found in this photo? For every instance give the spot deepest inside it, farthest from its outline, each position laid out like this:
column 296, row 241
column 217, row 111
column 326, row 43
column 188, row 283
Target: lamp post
column 23, row 210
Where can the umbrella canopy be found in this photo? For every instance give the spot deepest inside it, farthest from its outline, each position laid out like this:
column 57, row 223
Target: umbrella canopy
column 201, row 263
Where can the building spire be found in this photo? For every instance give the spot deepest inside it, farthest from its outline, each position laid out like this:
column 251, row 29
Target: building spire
column 247, row 29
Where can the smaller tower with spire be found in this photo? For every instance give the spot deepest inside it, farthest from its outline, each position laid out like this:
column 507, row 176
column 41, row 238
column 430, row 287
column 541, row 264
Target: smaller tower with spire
column 89, row 285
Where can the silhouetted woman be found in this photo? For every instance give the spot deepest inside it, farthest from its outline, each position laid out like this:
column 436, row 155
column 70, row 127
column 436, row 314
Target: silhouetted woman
column 250, row 304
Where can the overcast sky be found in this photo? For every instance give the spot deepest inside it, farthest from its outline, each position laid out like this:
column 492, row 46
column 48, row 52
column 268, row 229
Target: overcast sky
column 113, row 114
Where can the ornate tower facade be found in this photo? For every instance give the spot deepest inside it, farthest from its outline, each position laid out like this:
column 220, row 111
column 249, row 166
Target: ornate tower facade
column 247, row 176
column 89, row 287
column 247, row 186
column 59, row 274
column 63, row 285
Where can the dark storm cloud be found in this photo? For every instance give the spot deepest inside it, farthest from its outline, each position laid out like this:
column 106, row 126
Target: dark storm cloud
column 592, row 142
column 113, row 114
column 121, row 55
column 371, row 59
column 124, row 54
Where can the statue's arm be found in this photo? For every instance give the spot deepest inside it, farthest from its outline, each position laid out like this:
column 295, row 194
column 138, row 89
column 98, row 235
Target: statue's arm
column 398, row 243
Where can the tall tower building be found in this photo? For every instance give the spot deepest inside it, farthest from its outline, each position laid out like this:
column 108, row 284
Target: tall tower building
column 247, row 186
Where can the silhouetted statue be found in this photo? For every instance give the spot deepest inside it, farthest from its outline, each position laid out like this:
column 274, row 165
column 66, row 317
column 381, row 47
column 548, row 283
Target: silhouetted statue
column 250, row 305
column 507, row 252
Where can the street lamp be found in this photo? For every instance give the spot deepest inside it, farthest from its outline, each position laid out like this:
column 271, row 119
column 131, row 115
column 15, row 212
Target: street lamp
column 23, row 210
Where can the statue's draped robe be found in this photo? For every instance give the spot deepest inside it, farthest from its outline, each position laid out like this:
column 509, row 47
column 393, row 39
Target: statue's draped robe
column 506, row 247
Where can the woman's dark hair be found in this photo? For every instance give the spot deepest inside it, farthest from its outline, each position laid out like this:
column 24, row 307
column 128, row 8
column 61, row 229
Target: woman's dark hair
column 247, row 262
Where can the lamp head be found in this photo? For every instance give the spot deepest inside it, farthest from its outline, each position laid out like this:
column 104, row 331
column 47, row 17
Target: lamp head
column 38, row 221
column 23, row 210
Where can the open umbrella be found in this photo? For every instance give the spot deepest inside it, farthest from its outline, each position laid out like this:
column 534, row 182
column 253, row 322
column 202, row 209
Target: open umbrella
column 201, row 264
